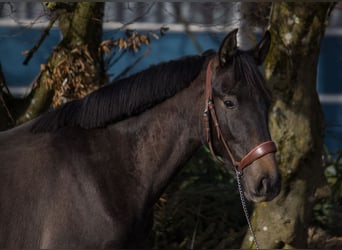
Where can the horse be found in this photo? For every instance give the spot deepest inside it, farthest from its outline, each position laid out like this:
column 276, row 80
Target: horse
column 87, row 174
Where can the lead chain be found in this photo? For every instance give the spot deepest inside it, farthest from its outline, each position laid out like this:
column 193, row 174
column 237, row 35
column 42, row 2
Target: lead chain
column 244, row 207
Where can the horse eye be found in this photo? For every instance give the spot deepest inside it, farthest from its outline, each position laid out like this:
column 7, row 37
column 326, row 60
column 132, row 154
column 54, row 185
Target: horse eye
column 229, row 104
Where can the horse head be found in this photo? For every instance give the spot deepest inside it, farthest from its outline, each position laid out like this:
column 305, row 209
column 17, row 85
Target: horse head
column 236, row 112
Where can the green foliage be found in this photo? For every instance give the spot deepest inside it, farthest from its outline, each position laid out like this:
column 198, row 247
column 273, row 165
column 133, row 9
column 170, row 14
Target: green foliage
column 328, row 212
column 200, row 209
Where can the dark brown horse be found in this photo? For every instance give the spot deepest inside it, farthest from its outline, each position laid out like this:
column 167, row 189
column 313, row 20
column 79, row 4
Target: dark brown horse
column 88, row 174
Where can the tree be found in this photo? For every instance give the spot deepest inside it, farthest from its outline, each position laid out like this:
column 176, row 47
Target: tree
column 73, row 69
column 296, row 123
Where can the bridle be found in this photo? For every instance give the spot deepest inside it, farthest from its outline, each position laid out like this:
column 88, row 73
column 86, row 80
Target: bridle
column 209, row 115
column 257, row 152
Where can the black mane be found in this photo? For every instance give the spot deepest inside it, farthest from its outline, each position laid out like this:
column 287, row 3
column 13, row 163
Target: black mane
column 123, row 98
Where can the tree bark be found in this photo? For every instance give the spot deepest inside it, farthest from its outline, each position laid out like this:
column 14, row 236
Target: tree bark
column 74, row 68
column 296, row 124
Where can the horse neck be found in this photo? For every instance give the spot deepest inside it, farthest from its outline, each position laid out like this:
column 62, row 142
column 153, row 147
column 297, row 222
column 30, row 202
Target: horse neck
column 163, row 138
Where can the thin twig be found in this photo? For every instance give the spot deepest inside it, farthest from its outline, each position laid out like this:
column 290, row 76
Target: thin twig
column 4, row 91
column 138, row 17
column 112, row 61
column 41, row 39
column 3, row 85
column 182, row 20
column 129, row 67
column 6, row 109
column 193, row 239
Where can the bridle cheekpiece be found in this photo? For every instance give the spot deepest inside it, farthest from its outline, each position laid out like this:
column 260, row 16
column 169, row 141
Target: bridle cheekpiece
column 209, row 116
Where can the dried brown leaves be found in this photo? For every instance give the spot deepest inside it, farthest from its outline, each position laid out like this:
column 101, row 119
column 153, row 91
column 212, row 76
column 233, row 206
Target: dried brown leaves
column 74, row 74
column 71, row 73
column 132, row 42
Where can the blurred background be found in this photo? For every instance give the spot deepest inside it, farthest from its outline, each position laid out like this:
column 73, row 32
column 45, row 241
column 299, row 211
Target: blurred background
column 201, row 208
column 189, row 28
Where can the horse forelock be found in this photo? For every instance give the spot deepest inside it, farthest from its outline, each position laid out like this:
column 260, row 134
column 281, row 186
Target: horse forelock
column 247, row 69
column 124, row 98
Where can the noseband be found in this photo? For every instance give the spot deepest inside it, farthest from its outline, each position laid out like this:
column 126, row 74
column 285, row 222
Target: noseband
column 210, row 115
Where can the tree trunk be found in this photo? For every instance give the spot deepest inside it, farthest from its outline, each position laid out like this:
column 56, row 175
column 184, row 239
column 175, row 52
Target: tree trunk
column 74, row 68
column 296, row 123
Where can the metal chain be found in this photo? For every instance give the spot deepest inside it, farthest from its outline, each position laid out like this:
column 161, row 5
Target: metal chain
column 244, row 207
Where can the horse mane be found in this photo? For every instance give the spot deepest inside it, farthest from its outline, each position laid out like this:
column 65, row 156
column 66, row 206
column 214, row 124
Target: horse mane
column 125, row 97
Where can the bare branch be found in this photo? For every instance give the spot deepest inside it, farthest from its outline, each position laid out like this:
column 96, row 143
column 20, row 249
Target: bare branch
column 138, row 17
column 129, row 67
column 4, row 92
column 41, row 39
column 3, row 85
column 4, row 105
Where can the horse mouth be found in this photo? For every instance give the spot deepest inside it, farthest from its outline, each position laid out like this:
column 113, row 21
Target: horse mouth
column 261, row 198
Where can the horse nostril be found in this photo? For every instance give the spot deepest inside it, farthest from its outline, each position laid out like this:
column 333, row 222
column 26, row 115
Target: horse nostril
column 264, row 186
column 268, row 188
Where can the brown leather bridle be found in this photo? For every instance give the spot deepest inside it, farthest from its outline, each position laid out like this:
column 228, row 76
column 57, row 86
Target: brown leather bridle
column 210, row 115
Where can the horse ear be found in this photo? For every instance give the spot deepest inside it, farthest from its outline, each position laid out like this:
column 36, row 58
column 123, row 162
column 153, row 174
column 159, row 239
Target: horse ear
column 228, row 48
column 261, row 49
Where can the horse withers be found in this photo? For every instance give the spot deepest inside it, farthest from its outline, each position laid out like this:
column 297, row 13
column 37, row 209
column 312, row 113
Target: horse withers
column 88, row 173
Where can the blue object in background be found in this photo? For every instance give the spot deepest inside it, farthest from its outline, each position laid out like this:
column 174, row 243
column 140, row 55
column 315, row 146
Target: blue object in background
column 168, row 47
column 13, row 41
column 329, row 86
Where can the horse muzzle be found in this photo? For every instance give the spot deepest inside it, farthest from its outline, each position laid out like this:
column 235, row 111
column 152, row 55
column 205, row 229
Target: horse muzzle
column 262, row 180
